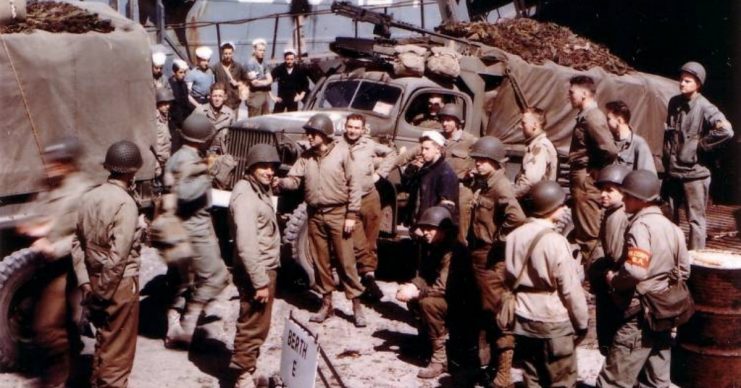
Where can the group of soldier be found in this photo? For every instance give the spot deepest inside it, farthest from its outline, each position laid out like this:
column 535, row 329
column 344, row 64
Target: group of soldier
column 494, row 272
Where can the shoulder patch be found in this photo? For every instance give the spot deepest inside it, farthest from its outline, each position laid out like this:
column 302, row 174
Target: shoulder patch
column 638, row 257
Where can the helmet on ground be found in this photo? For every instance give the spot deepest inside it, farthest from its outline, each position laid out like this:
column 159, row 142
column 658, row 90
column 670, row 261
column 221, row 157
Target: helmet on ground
column 489, row 147
column 452, row 110
column 64, row 149
column 612, row 174
column 437, row 216
column 696, row 69
column 123, row 157
column 261, row 153
column 197, row 128
column 642, row 184
column 320, row 123
column 545, row 197
column 164, row 95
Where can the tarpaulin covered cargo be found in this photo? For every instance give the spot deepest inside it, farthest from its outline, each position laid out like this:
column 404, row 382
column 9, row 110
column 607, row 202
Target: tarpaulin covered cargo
column 97, row 86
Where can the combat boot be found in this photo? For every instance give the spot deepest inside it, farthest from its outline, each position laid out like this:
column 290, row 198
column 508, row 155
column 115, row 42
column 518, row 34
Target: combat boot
column 358, row 314
column 437, row 363
column 503, row 379
column 434, row 369
column 184, row 334
column 173, row 327
column 372, row 293
column 245, row 380
column 325, row 311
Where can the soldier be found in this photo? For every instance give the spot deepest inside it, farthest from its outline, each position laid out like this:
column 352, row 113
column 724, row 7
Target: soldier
column 220, row 115
column 53, row 228
column 257, row 257
column 201, row 78
column 229, row 73
column 695, row 127
column 158, row 76
column 612, row 234
column 365, row 153
column 655, row 253
column 440, row 293
column 633, row 151
column 259, row 79
column 333, row 197
column 591, row 149
column 186, row 176
column 551, row 308
column 540, row 162
column 496, row 213
column 106, row 258
column 163, row 146
column 430, row 119
column 181, row 108
column 293, row 83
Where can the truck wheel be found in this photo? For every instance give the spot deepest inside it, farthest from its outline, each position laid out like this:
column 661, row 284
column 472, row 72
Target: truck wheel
column 18, row 294
column 296, row 235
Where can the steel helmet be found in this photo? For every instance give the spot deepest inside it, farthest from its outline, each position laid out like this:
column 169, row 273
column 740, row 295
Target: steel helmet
column 452, row 110
column 164, row 95
column 65, row 149
column 320, row 123
column 261, row 153
column 545, row 197
column 612, row 174
column 642, row 184
column 696, row 69
column 123, row 157
column 437, row 216
column 197, row 128
column 489, row 147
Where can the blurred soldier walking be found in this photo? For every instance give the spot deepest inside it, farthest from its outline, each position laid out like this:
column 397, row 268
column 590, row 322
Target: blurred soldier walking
column 106, row 257
column 187, row 178
column 695, row 128
column 365, row 153
column 53, row 228
column 496, row 213
column 540, row 162
column 333, row 198
column 257, row 257
column 592, row 148
column 551, row 315
column 655, row 257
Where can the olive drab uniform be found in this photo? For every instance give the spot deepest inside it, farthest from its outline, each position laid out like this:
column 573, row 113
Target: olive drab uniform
column 222, row 120
column 592, row 148
column 186, row 176
column 635, row 153
column 55, row 308
column 495, row 213
column 540, row 163
column 106, row 252
column 551, row 306
column 256, row 258
column 163, row 145
column 692, row 129
column 654, row 247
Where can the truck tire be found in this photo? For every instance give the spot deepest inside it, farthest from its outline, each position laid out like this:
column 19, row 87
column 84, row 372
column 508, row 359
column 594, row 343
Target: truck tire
column 18, row 294
column 296, row 235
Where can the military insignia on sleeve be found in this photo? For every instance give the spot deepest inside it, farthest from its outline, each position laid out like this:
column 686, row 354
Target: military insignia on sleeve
column 638, row 257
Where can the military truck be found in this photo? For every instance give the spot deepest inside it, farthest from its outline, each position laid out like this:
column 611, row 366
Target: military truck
column 492, row 89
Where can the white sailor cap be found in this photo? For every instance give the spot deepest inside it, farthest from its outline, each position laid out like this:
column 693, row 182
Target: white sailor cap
column 158, row 58
column 259, row 41
column 435, row 136
column 179, row 64
column 204, row 52
column 289, row 50
column 228, row 44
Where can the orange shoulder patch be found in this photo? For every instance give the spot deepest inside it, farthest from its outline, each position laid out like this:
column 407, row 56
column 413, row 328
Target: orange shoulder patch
column 638, row 257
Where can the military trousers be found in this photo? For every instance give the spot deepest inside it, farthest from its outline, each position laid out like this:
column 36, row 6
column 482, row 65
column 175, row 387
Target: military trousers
column 692, row 195
column 253, row 325
column 433, row 311
column 258, row 103
column 638, row 357
column 115, row 344
column 365, row 234
column 489, row 273
column 465, row 208
column 586, row 213
column 326, row 235
column 548, row 362
column 209, row 271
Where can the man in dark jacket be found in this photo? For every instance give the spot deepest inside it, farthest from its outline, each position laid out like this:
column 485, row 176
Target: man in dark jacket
column 293, row 83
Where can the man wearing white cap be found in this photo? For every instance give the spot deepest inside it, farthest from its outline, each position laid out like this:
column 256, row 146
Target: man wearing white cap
column 201, row 77
column 260, row 80
column 230, row 73
column 181, row 107
column 293, row 83
column 438, row 183
column 158, row 63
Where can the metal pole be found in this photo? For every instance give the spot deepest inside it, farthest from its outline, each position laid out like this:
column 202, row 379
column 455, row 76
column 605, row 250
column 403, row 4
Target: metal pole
column 159, row 16
column 275, row 37
column 218, row 38
column 299, row 28
column 422, row 12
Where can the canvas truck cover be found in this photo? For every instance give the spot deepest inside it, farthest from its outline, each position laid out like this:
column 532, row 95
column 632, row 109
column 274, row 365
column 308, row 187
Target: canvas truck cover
column 97, row 86
column 546, row 86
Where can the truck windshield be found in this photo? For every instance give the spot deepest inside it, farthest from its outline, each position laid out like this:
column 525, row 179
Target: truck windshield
column 361, row 95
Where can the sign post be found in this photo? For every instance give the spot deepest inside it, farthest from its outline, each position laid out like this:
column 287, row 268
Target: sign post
column 299, row 356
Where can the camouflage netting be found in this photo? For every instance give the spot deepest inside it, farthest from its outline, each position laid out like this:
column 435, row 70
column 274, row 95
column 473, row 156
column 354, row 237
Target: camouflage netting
column 538, row 42
column 58, row 17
